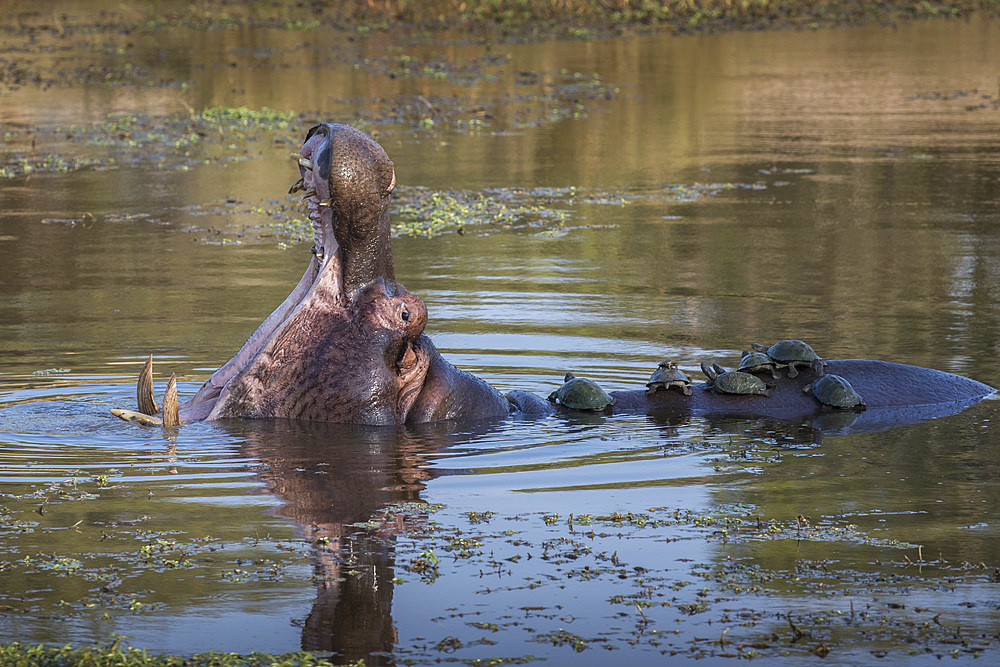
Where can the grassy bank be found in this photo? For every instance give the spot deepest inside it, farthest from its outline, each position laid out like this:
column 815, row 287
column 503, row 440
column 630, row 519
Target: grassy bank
column 489, row 19
column 679, row 15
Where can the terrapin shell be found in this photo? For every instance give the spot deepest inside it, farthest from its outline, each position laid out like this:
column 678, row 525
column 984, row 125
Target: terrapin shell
column 835, row 391
column 668, row 375
column 734, row 382
column 757, row 362
column 793, row 352
column 582, row 394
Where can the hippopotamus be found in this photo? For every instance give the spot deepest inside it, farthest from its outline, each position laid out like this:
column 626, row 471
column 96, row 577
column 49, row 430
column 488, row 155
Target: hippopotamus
column 348, row 344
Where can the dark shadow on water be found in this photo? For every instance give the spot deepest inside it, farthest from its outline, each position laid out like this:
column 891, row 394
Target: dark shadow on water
column 337, row 482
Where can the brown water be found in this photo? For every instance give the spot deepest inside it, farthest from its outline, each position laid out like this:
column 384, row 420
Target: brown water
column 642, row 197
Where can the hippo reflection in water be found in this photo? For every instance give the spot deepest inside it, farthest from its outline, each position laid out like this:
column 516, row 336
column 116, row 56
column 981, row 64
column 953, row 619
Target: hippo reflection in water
column 347, row 345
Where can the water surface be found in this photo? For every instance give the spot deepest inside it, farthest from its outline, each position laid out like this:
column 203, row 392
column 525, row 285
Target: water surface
column 625, row 200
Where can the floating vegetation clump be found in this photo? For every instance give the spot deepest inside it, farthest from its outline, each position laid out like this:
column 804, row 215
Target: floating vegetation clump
column 117, row 655
column 174, row 141
column 972, row 99
column 14, row 165
column 424, row 212
column 182, row 131
column 548, row 97
column 419, row 211
column 227, row 118
column 462, row 73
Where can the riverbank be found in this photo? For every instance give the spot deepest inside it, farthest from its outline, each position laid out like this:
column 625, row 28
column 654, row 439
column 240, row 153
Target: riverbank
column 490, row 20
column 681, row 16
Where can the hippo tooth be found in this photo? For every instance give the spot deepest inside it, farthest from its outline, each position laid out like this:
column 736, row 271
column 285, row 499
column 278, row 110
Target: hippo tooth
column 307, row 194
column 298, row 185
column 170, row 407
column 144, row 389
column 327, row 202
column 138, row 417
column 301, row 159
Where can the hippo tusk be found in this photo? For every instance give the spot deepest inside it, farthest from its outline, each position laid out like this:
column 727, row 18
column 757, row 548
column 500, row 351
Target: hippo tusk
column 311, row 192
column 137, row 417
column 297, row 186
column 171, row 416
column 301, row 159
column 144, row 389
column 170, row 409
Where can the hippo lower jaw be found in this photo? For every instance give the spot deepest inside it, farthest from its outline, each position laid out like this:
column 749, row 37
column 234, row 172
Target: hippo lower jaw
column 447, row 393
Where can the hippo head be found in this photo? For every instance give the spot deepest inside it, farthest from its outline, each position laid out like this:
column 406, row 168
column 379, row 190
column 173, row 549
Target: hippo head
column 347, row 345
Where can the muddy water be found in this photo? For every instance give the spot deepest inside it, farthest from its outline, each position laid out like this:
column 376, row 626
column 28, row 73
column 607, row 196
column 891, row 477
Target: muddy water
column 621, row 201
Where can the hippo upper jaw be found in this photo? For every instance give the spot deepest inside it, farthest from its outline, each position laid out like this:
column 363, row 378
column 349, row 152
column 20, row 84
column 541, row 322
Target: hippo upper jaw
column 348, row 182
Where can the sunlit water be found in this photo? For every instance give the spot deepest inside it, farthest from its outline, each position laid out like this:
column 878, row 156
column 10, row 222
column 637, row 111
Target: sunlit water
column 837, row 186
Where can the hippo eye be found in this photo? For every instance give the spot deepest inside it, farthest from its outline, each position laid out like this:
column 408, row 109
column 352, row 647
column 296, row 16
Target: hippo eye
column 405, row 315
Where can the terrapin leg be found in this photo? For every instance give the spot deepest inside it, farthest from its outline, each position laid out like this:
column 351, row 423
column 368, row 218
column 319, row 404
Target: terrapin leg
column 792, row 371
column 144, row 389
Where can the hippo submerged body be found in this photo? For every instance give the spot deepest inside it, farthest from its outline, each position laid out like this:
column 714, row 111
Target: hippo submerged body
column 347, row 345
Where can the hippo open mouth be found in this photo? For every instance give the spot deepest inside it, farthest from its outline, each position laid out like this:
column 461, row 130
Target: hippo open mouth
column 346, row 344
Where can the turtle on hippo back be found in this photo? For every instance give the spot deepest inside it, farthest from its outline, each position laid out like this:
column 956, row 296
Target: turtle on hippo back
column 582, row 394
column 835, row 392
column 792, row 353
column 733, row 382
column 758, row 362
column 668, row 375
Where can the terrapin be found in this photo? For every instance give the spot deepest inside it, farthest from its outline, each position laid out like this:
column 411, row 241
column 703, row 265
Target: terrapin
column 582, row 394
column 794, row 353
column 757, row 362
column 836, row 392
column 733, row 382
column 667, row 375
